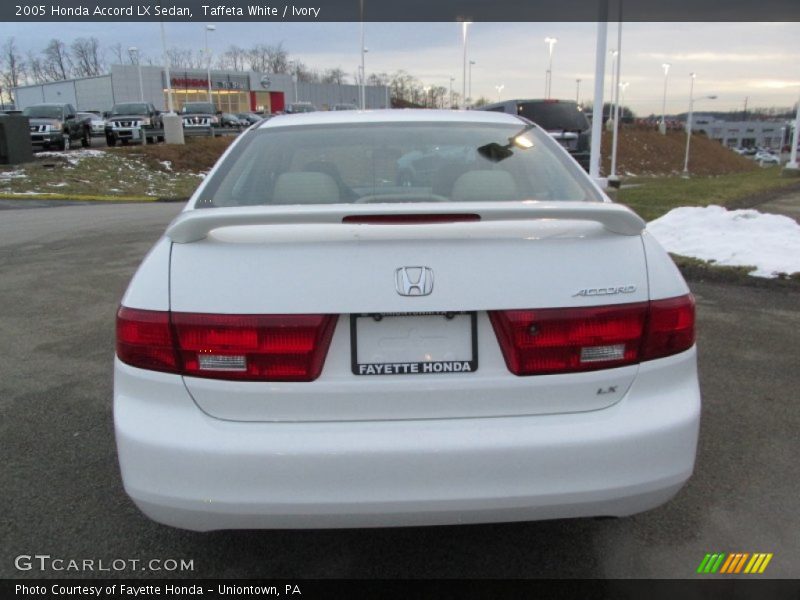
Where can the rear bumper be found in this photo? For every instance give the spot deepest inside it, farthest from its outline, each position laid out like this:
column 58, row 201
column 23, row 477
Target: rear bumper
column 186, row 469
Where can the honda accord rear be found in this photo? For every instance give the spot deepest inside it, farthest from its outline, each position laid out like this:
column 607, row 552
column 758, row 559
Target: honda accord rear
column 319, row 340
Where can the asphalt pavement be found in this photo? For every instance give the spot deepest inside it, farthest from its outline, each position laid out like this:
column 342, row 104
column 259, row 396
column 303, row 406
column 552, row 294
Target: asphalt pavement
column 62, row 273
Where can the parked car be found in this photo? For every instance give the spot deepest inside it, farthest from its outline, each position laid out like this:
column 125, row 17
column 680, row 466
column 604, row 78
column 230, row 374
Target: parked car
column 250, row 118
column 300, row 107
column 56, row 125
column 230, row 120
column 200, row 114
column 94, row 122
column 564, row 120
column 344, row 106
column 134, row 122
column 311, row 345
column 767, row 158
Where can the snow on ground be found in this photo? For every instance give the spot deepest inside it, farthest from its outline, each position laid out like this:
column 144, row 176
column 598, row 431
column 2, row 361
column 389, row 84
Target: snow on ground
column 74, row 156
column 8, row 175
column 771, row 243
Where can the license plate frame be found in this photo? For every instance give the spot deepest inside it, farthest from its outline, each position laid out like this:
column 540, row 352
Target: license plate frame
column 438, row 367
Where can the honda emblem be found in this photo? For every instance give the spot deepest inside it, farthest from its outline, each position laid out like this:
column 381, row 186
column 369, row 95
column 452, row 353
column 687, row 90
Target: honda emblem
column 414, row 281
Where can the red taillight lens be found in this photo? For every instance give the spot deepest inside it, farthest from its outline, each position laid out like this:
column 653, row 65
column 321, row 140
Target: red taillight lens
column 557, row 340
column 144, row 339
column 566, row 340
column 243, row 347
column 254, row 347
column 670, row 327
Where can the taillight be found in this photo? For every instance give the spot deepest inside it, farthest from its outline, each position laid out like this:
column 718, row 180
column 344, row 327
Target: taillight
column 242, row 347
column 566, row 340
column 144, row 339
column 670, row 327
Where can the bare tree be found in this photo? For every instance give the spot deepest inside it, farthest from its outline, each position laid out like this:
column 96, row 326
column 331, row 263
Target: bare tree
column 56, row 62
column 336, row 76
column 269, row 59
column 234, row 58
column 378, row 79
column 86, row 57
column 12, row 67
column 36, row 71
column 182, row 58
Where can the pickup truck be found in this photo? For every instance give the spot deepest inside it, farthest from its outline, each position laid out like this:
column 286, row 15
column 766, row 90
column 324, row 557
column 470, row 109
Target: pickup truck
column 133, row 121
column 200, row 114
column 56, row 125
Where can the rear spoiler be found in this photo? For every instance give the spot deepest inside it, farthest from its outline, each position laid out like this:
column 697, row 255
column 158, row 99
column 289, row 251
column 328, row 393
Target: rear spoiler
column 195, row 225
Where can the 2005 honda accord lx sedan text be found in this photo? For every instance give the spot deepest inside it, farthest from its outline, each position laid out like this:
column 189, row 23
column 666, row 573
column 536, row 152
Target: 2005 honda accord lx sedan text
column 322, row 340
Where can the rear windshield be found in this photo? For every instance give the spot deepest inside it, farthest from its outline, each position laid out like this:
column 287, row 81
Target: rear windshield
column 554, row 116
column 395, row 162
column 129, row 109
column 43, row 112
column 198, row 108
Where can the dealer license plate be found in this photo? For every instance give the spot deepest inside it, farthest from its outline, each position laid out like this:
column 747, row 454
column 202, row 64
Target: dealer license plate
column 414, row 343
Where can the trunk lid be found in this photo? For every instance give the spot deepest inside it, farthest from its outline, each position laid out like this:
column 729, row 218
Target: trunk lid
column 305, row 260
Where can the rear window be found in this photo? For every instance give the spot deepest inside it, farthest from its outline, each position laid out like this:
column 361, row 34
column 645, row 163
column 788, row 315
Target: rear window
column 198, row 108
column 44, row 112
column 395, row 162
column 130, row 109
column 554, row 116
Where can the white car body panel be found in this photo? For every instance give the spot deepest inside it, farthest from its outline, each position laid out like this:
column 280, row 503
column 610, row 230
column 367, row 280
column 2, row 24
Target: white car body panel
column 360, row 451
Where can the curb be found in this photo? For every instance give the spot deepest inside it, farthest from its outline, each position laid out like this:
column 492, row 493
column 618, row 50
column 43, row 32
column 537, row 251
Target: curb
column 89, row 198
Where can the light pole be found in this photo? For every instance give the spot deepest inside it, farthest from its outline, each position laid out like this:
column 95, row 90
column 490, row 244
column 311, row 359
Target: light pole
column 578, row 92
column 426, row 89
column 452, row 79
column 208, row 60
column 622, row 87
column 792, row 164
column 613, row 54
column 363, row 52
column 662, row 127
column 464, row 26
column 597, row 109
column 134, row 51
column 170, row 104
column 548, row 80
column 689, row 121
column 469, row 89
column 499, row 89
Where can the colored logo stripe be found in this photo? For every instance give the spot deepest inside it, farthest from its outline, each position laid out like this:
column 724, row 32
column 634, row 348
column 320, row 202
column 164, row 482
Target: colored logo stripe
column 735, row 562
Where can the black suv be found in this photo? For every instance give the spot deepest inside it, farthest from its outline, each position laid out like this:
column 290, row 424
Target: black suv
column 200, row 115
column 132, row 121
column 564, row 120
column 56, row 125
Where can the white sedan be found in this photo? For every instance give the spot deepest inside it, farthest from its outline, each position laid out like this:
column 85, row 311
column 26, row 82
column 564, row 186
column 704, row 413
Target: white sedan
column 315, row 342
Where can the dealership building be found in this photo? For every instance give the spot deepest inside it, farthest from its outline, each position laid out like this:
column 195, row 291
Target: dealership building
column 231, row 91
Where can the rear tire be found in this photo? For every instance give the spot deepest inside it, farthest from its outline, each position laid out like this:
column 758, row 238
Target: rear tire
column 111, row 141
column 86, row 141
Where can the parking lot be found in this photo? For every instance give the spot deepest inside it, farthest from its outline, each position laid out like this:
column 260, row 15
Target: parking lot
column 63, row 270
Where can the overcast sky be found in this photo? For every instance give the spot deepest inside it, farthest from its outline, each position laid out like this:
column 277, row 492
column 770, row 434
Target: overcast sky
column 758, row 61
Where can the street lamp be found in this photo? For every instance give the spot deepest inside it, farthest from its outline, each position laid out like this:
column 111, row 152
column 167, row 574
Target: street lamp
column 499, row 89
column 578, row 92
column 469, row 89
column 208, row 60
column 548, row 80
column 663, row 125
column 613, row 54
column 363, row 52
column 452, row 79
column 464, row 26
column 792, row 164
column 689, row 121
column 170, row 103
column 134, row 51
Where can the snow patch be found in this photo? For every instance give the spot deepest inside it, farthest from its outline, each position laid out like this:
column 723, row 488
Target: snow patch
column 733, row 238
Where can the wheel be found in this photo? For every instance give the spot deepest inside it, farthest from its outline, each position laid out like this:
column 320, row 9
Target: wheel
column 160, row 138
column 86, row 141
column 111, row 140
column 124, row 141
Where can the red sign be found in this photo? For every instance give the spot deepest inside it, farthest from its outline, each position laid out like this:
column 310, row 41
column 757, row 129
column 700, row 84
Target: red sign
column 185, row 82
